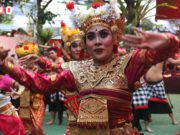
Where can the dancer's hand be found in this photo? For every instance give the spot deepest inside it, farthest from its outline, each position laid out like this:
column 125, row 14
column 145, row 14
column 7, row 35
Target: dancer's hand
column 150, row 40
column 175, row 61
column 29, row 59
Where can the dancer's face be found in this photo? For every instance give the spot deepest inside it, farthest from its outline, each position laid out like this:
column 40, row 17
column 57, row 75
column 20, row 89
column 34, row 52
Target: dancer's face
column 99, row 44
column 76, row 50
column 52, row 55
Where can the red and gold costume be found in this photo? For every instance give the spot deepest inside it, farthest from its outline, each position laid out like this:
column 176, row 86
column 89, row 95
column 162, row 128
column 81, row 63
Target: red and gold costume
column 71, row 36
column 11, row 125
column 31, row 109
column 105, row 92
column 31, row 112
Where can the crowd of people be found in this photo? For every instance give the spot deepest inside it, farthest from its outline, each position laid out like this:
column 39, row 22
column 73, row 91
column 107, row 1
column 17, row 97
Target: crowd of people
column 95, row 82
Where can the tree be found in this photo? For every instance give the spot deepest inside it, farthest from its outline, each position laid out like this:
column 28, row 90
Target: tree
column 6, row 3
column 135, row 10
column 6, row 19
column 38, row 14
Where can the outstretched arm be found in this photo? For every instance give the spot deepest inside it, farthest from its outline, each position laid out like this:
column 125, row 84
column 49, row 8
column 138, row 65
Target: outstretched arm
column 154, row 48
column 43, row 62
column 149, row 40
column 37, row 82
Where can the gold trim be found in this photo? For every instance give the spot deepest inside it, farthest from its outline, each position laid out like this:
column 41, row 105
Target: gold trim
column 106, row 97
column 8, row 67
column 5, row 107
column 142, row 55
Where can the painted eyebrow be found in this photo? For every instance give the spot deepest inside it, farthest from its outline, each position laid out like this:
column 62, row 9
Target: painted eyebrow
column 92, row 32
column 89, row 33
column 104, row 30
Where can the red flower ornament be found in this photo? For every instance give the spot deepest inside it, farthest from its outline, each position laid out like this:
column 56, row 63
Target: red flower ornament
column 70, row 5
column 63, row 24
column 26, row 47
column 96, row 5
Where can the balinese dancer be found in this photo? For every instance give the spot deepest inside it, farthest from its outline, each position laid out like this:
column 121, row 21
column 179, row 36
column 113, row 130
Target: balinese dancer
column 104, row 83
column 10, row 123
column 31, row 108
column 74, row 48
column 151, row 97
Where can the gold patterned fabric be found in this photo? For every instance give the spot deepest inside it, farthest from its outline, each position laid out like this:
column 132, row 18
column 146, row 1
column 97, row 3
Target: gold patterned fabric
column 8, row 109
column 24, row 111
column 110, row 75
column 104, row 97
column 31, row 112
column 93, row 112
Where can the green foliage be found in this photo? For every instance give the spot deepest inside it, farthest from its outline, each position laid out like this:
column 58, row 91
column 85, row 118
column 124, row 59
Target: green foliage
column 45, row 35
column 6, row 2
column 46, row 16
column 39, row 16
column 146, row 24
column 6, row 19
column 135, row 10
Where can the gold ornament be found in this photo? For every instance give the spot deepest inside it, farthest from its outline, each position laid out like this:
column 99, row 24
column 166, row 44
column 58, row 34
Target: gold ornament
column 26, row 48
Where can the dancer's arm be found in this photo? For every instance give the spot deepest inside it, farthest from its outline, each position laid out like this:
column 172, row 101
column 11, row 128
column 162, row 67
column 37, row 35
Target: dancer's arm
column 40, row 83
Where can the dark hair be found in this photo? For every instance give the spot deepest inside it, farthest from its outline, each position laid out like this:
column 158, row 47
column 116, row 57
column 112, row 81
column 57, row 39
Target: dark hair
column 52, row 49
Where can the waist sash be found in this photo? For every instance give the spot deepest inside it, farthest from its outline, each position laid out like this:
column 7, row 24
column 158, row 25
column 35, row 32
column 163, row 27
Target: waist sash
column 93, row 109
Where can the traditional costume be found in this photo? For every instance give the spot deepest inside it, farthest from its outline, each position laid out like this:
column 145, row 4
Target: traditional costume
column 31, row 108
column 69, row 37
column 150, row 98
column 105, row 91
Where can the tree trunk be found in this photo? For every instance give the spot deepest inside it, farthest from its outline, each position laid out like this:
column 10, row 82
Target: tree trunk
column 130, row 9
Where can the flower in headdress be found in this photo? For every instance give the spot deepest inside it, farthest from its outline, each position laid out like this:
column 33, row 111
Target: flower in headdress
column 96, row 5
column 26, row 47
column 63, row 24
column 70, row 5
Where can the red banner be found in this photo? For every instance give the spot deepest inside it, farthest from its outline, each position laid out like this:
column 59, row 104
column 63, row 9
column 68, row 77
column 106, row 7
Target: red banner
column 168, row 9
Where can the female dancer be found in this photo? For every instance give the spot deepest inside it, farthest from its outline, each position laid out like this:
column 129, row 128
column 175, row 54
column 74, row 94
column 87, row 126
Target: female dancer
column 106, row 82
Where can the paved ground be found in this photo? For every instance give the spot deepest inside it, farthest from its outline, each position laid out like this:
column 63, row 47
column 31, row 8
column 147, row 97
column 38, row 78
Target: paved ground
column 161, row 123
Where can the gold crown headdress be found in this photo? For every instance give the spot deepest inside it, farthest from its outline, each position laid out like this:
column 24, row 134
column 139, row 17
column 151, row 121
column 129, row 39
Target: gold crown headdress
column 102, row 13
column 26, row 47
column 70, row 35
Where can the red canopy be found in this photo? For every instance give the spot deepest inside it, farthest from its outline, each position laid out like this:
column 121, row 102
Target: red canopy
column 171, row 12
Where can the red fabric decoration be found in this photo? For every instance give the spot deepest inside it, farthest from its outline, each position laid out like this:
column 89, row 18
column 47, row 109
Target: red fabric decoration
column 171, row 12
column 11, row 125
column 70, row 5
